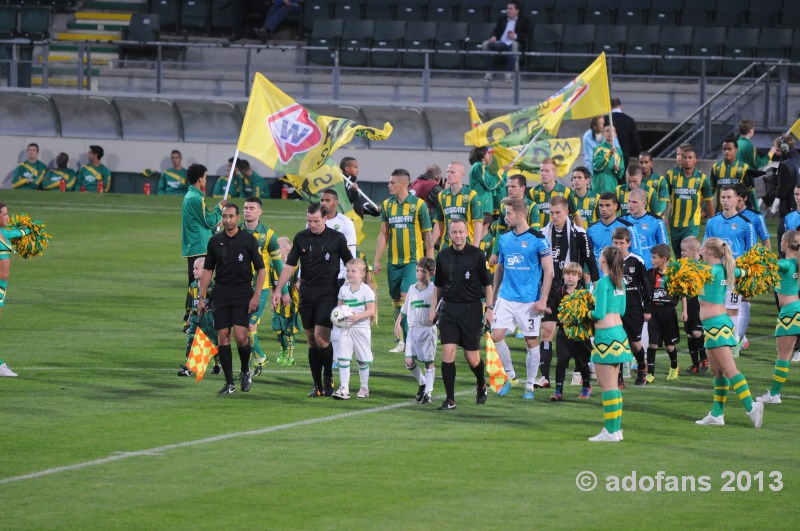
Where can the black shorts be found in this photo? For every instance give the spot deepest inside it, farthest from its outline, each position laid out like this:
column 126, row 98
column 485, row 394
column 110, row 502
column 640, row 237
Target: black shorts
column 231, row 312
column 316, row 305
column 552, row 317
column 633, row 323
column 693, row 323
column 662, row 328
column 461, row 324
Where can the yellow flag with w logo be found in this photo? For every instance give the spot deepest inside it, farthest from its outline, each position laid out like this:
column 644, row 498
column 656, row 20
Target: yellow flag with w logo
column 291, row 139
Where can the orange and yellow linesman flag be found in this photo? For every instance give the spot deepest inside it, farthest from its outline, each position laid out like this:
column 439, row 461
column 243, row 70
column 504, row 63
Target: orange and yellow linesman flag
column 310, row 186
column 563, row 151
column 584, row 97
column 291, row 139
column 494, row 367
column 795, row 129
column 201, row 352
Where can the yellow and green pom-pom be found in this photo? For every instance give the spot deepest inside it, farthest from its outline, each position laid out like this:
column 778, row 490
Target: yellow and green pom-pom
column 686, row 277
column 35, row 242
column 760, row 266
column 574, row 313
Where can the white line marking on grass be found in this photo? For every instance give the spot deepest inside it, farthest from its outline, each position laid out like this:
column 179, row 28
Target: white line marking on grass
column 139, row 209
column 142, row 369
column 120, row 455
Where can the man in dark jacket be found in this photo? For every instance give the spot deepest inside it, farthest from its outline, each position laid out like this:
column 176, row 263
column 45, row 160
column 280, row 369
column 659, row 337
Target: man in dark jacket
column 510, row 35
column 627, row 134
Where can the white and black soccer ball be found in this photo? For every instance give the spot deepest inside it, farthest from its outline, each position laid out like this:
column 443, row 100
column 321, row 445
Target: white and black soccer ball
column 339, row 316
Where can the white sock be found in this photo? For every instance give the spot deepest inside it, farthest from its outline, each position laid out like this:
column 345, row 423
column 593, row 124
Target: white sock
column 645, row 336
column 417, row 373
column 735, row 320
column 532, row 364
column 344, row 373
column 363, row 374
column 430, row 376
column 335, row 337
column 744, row 317
column 505, row 356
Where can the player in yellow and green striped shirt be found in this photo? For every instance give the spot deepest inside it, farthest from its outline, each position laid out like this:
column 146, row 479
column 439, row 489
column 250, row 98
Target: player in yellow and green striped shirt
column 633, row 178
column 541, row 193
column 285, row 321
column 730, row 171
column 406, row 232
column 689, row 188
column 657, row 183
column 457, row 201
column 586, row 201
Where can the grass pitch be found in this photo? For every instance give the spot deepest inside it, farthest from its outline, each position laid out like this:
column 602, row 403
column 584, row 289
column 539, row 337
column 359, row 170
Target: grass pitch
column 98, row 431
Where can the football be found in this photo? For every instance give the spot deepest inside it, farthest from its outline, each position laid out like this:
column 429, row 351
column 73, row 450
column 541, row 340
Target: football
column 339, row 316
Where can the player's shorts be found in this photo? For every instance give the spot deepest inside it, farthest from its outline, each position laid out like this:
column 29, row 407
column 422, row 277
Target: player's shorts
column 421, row 343
column 255, row 317
column 692, row 323
column 633, row 323
column 678, row 234
column 732, row 300
column 611, row 346
column 316, row 305
column 719, row 332
column 509, row 313
column 401, row 277
column 355, row 340
column 229, row 313
column 662, row 328
column 461, row 323
column 285, row 325
column 552, row 317
column 788, row 320
column 3, row 287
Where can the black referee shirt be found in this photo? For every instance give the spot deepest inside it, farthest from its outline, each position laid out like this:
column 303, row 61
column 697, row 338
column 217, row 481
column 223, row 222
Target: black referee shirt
column 231, row 258
column 462, row 275
column 319, row 255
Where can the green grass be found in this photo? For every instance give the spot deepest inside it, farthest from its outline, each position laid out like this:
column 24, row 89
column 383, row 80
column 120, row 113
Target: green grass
column 93, row 329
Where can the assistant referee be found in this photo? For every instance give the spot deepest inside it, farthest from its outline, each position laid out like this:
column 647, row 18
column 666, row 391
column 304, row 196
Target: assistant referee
column 318, row 249
column 462, row 280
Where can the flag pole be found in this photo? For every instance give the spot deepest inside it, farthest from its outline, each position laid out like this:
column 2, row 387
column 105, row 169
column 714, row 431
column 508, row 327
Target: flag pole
column 529, row 144
column 230, row 175
column 362, row 194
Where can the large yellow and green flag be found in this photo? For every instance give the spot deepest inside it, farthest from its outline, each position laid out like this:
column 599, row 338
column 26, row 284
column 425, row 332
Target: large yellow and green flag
column 291, row 139
column 795, row 129
column 563, row 151
column 311, row 185
column 510, row 129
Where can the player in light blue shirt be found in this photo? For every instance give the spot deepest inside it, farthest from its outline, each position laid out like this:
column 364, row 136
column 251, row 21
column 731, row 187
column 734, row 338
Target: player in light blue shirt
column 792, row 219
column 651, row 228
column 730, row 226
column 600, row 232
column 755, row 218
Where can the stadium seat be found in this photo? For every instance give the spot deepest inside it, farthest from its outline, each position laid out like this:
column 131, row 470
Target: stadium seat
column 697, row 12
column 664, row 13
column 546, row 39
column 610, row 39
column 442, row 11
column 419, row 36
column 316, row 9
column 674, row 41
column 473, row 11
column 730, row 13
column 222, row 19
column 761, row 14
column 326, row 33
column 194, row 14
column 794, row 51
column 143, row 27
column 569, row 12
column 774, row 42
column 348, row 10
column 788, row 19
column 578, row 38
column 8, row 21
column 539, row 11
column 739, row 43
column 642, row 40
column 167, row 11
column 388, row 35
column 34, row 22
column 632, row 12
column 476, row 34
column 600, row 12
column 411, row 10
column 706, row 43
column 380, row 9
column 357, row 34
column 450, row 37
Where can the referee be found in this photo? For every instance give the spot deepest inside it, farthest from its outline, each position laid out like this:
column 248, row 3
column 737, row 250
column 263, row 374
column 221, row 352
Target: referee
column 318, row 249
column 462, row 280
column 230, row 253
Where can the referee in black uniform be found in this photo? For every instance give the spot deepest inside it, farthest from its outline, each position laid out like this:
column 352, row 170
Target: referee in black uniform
column 319, row 250
column 462, row 280
column 233, row 254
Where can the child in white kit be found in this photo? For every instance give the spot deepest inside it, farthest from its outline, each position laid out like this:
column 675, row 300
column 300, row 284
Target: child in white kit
column 421, row 340
column 360, row 298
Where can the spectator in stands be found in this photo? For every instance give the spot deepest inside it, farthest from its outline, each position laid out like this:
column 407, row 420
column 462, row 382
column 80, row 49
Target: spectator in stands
column 173, row 180
column 509, row 35
column 349, row 167
column 428, row 185
column 277, row 13
column 253, row 185
column 52, row 179
column 95, row 172
column 627, row 133
column 28, row 175
column 747, row 152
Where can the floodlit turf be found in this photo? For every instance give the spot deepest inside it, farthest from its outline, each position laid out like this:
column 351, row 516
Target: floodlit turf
column 99, row 432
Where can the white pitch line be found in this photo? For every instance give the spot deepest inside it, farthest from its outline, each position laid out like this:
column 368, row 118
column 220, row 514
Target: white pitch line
column 121, row 455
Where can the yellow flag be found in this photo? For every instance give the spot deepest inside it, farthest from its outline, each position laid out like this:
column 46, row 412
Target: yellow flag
column 474, row 117
column 795, row 130
column 201, row 352
column 494, row 366
column 510, row 129
column 291, row 139
column 563, row 151
column 310, row 186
